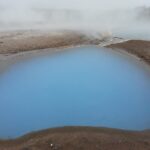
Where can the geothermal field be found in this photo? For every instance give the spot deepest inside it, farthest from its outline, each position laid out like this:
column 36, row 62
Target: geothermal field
column 74, row 75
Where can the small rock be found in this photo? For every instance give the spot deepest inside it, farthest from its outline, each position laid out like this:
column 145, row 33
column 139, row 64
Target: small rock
column 51, row 145
column 54, row 146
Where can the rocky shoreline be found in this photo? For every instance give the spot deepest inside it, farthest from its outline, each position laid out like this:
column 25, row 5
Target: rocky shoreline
column 137, row 47
column 15, row 42
column 21, row 41
column 76, row 138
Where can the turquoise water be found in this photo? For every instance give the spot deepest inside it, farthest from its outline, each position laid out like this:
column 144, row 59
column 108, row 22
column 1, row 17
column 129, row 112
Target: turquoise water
column 86, row 86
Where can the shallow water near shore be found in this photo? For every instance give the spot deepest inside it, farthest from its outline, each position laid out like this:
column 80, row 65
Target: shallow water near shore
column 86, row 86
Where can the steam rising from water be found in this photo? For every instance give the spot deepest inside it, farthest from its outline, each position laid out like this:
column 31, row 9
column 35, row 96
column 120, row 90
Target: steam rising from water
column 120, row 18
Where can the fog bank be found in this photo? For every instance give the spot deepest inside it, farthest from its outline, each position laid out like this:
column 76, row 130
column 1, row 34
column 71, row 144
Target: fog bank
column 129, row 19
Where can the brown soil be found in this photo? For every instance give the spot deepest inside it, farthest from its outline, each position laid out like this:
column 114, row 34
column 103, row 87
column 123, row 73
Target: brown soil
column 80, row 138
column 20, row 41
column 138, row 47
column 14, row 42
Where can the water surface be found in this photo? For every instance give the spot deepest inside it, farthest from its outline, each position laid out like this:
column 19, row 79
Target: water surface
column 87, row 86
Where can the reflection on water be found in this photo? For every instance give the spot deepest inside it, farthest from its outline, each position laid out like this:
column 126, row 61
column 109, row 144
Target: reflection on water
column 84, row 86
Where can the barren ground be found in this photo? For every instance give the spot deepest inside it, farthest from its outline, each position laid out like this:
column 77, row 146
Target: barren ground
column 80, row 138
column 138, row 47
